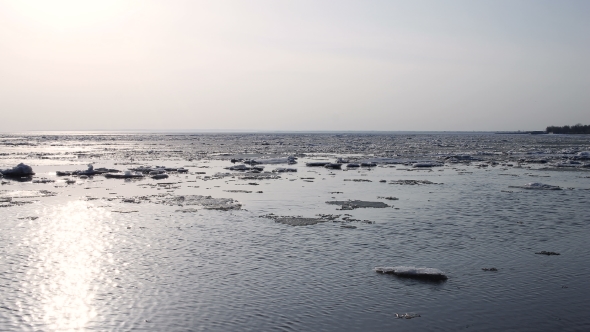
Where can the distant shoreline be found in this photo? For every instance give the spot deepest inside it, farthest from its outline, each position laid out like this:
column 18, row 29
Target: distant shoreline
column 575, row 129
column 550, row 130
column 534, row 132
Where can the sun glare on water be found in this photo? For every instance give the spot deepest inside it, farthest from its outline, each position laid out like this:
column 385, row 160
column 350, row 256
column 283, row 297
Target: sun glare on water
column 70, row 252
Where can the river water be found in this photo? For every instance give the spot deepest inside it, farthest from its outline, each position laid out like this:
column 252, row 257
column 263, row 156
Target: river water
column 103, row 254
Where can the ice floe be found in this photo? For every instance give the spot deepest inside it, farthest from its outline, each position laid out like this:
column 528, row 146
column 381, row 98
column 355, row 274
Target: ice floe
column 333, row 166
column 351, row 205
column 413, row 272
column 288, row 160
column 317, row 164
column 125, row 175
column 207, row 202
column 411, row 182
column 20, row 170
column 427, row 165
column 537, row 186
column 284, row 170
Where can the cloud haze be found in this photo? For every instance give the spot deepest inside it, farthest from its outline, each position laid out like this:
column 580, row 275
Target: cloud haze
column 293, row 65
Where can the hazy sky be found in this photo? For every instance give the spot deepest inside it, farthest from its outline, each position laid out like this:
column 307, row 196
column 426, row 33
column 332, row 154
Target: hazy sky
column 294, row 65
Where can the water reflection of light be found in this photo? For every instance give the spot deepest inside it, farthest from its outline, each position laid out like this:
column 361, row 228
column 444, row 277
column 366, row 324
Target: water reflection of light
column 69, row 248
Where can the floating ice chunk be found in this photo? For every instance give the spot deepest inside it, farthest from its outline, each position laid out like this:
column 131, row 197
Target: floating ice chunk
column 20, row 170
column 158, row 169
column 427, row 164
column 143, row 169
column 569, row 163
column 283, row 170
column 413, row 272
column 537, row 186
column 296, row 221
column 548, row 253
column 407, row 315
column 333, row 166
column 159, row 176
column 317, row 164
column 369, row 164
column 289, row 160
column 206, row 202
column 243, row 167
column 351, row 205
column 90, row 171
column 126, row 175
column 383, row 160
column 411, row 182
column 240, row 167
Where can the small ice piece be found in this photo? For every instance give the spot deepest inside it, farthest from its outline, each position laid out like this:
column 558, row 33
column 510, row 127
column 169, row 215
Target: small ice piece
column 538, row 186
column 548, row 253
column 568, row 163
column 352, row 165
column 414, row 272
column 288, row 160
column 126, row 175
column 159, row 176
column 333, row 166
column 407, row 315
column 427, row 164
column 351, row 205
column 155, row 171
column 20, row 170
column 88, row 172
column 240, row 167
column 369, row 164
column 317, row 164
column 283, row 170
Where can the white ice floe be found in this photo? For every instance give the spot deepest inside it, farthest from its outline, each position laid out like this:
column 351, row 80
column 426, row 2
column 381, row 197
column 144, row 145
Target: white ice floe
column 538, row 186
column 413, row 272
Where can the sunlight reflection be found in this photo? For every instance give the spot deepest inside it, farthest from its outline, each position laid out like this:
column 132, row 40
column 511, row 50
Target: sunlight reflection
column 70, row 251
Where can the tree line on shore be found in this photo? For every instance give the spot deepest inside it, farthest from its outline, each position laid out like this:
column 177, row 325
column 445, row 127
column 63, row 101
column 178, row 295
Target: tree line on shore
column 575, row 129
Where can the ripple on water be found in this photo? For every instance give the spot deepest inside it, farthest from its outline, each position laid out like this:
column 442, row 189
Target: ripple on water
column 80, row 266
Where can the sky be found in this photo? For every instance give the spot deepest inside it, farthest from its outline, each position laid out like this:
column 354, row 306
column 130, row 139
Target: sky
column 282, row 65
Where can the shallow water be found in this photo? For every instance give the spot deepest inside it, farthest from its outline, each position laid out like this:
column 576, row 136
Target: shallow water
column 99, row 255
